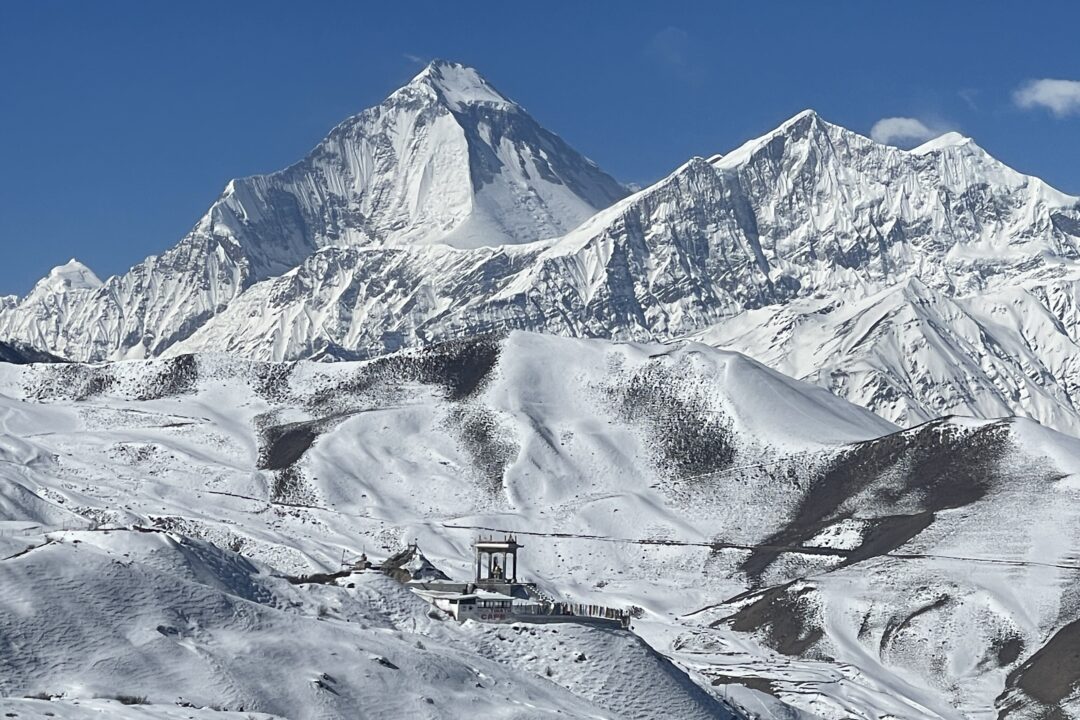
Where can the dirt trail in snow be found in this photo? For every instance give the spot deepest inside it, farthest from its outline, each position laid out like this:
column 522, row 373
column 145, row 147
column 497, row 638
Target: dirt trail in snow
column 805, row 550
column 24, row 551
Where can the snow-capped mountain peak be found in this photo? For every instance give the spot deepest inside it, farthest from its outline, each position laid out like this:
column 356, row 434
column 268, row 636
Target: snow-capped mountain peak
column 459, row 85
column 970, row 165
column 72, row 275
column 800, row 125
column 445, row 160
column 945, row 140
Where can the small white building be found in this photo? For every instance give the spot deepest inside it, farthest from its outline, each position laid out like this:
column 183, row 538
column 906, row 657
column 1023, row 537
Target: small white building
column 495, row 595
column 480, row 605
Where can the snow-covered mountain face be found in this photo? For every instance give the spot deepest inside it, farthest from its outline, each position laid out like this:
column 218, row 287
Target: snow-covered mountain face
column 913, row 353
column 916, row 283
column 444, row 160
column 785, row 545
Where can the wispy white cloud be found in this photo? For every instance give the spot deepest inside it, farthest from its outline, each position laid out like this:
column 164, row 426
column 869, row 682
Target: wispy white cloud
column 1061, row 97
column 414, row 59
column 676, row 50
column 902, row 131
column 970, row 95
column 670, row 46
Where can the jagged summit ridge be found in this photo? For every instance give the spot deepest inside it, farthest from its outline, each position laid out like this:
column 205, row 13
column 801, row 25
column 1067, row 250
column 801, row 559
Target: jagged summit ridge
column 807, row 211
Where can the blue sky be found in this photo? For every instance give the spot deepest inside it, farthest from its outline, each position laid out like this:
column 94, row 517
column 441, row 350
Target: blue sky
column 120, row 122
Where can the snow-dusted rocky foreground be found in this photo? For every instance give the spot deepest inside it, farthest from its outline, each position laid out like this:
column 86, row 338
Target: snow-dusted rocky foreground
column 161, row 621
column 793, row 553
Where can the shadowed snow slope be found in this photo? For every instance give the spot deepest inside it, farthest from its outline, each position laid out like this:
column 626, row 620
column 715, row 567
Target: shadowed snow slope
column 19, row 354
column 781, row 542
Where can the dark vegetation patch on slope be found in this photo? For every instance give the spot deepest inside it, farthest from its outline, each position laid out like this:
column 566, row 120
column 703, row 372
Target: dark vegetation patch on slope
column 904, row 478
column 783, row 616
column 290, row 486
column 1048, row 677
column 490, row 448
column 1007, row 648
column 280, row 448
column 174, row 376
column 459, row 367
column 71, row 382
column 77, row 381
column 270, row 381
column 895, row 486
column 885, row 534
column 283, row 445
column 686, row 436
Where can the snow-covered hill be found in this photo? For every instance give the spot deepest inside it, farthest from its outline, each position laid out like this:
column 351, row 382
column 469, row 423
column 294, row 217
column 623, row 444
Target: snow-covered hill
column 782, row 542
column 156, row 619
